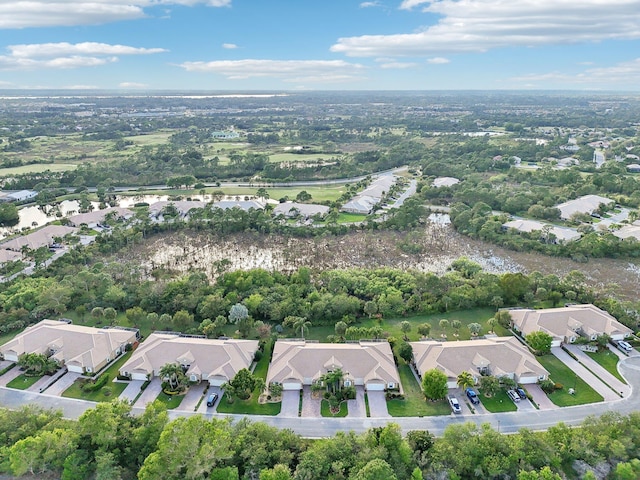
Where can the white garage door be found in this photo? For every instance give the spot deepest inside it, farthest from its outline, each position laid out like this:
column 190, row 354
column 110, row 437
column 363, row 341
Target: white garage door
column 375, row 387
column 292, row 386
column 139, row 376
column 528, row 380
column 75, row 368
column 216, row 382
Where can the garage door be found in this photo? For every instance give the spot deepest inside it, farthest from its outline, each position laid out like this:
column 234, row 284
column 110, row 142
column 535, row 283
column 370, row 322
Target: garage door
column 292, row 386
column 375, row 387
column 139, row 376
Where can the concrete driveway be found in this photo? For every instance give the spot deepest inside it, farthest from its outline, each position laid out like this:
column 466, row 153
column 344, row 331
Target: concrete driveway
column 600, row 371
column 290, row 403
column 203, row 405
column 540, row 397
column 10, row 375
column 64, row 382
column 357, row 407
column 131, row 391
column 377, row 404
column 150, row 393
column 310, row 406
column 193, row 396
column 593, row 381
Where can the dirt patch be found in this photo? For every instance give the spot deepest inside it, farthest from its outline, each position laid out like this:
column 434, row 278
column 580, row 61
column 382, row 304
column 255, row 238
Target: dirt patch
column 440, row 245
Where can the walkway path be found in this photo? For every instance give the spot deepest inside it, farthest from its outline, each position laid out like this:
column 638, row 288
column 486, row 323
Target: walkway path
column 600, row 371
column 325, row 427
column 593, row 381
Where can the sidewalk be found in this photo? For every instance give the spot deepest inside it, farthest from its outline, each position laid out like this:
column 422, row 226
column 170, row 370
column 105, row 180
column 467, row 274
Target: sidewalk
column 600, row 371
column 593, row 381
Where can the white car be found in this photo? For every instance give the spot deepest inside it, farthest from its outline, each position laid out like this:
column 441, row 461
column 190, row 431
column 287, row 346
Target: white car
column 455, row 405
column 513, row 395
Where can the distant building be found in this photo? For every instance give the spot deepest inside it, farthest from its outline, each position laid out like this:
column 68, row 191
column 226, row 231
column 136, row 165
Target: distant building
column 306, row 210
column 21, row 196
column 7, row 256
column 245, row 205
column 628, row 231
column 182, row 206
column 567, row 162
column 365, row 201
column 444, row 182
column 587, row 204
column 44, row 237
column 225, row 135
column 633, row 168
column 92, row 219
column 562, row 234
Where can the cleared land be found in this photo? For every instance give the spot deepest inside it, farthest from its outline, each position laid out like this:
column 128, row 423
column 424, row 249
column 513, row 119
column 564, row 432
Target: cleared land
column 37, row 168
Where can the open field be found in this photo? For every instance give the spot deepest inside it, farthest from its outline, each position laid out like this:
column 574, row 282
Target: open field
column 37, row 168
column 319, row 193
column 156, row 138
column 299, row 157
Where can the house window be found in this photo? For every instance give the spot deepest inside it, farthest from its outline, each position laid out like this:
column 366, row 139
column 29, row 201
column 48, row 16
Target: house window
column 347, row 383
column 391, row 385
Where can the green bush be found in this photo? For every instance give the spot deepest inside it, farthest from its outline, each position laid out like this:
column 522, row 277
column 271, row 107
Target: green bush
column 95, row 385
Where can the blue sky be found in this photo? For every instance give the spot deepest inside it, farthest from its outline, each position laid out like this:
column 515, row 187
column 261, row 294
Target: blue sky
column 320, row 45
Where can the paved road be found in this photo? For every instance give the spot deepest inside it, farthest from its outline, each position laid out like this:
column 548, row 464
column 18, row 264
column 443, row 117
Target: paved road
column 324, row 427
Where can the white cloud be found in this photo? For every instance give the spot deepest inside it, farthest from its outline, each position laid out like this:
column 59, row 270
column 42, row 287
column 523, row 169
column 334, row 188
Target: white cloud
column 47, row 13
column 398, row 65
column 66, row 55
column 623, row 73
column 299, row 71
column 438, row 60
column 229, row 46
column 132, row 85
column 370, row 4
column 481, row 25
column 85, row 48
column 81, row 87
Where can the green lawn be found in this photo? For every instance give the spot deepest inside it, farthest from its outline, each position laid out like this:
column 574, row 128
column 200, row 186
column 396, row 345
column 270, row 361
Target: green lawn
column 414, row 403
column 251, row 406
column 500, row 402
column 22, row 382
column 392, row 325
column 170, row 401
column 107, row 393
column 325, row 410
column 562, row 374
column 609, row 361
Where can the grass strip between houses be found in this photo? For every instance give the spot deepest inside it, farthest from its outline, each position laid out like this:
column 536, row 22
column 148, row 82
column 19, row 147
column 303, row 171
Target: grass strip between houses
column 414, row 403
column 561, row 374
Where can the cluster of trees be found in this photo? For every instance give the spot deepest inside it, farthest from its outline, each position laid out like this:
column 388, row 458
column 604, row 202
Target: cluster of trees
column 108, row 442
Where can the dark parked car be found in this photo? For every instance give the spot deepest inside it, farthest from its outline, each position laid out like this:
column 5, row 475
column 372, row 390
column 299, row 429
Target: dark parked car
column 520, row 391
column 472, row 396
column 211, row 401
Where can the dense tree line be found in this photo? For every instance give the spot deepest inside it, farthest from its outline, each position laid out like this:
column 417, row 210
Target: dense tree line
column 108, row 442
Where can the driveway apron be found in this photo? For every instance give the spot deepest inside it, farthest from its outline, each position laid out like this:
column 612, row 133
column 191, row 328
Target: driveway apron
column 150, row 393
column 290, row 403
column 377, row 404
column 357, row 407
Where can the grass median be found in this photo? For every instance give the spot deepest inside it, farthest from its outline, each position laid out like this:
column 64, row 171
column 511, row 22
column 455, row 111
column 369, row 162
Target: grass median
column 414, row 403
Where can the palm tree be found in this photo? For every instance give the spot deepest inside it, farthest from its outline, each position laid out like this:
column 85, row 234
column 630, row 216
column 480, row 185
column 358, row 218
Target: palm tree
column 456, row 324
column 301, row 324
column 333, row 380
column 444, row 324
column 465, row 380
column 492, row 322
column 405, row 326
column 172, row 373
column 475, row 329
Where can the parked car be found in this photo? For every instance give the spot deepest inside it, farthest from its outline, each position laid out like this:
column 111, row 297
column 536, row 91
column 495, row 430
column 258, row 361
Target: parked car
column 455, row 405
column 513, row 395
column 211, row 401
column 472, row 396
column 520, row 391
column 624, row 346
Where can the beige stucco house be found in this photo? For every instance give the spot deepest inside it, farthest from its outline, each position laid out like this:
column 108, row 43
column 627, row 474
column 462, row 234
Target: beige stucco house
column 81, row 349
column 297, row 362
column 203, row 359
column 567, row 324
column 498, row 356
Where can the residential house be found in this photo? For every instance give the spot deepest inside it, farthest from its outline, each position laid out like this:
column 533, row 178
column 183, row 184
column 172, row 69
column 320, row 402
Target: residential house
column 560, row 234
column 444, row 182
column 633, row 168
column 183, row 207
column 94, row 218
column 44, row 237
column 365, row 201
column 629, row 231
column 305, row 210
column 497, row 356
column 202, row 359
column 81, row 349
column 567, row 324
column 296, row 363
column 21, row 196
column 587, row 204
column 245, row 205
column 7, row 256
